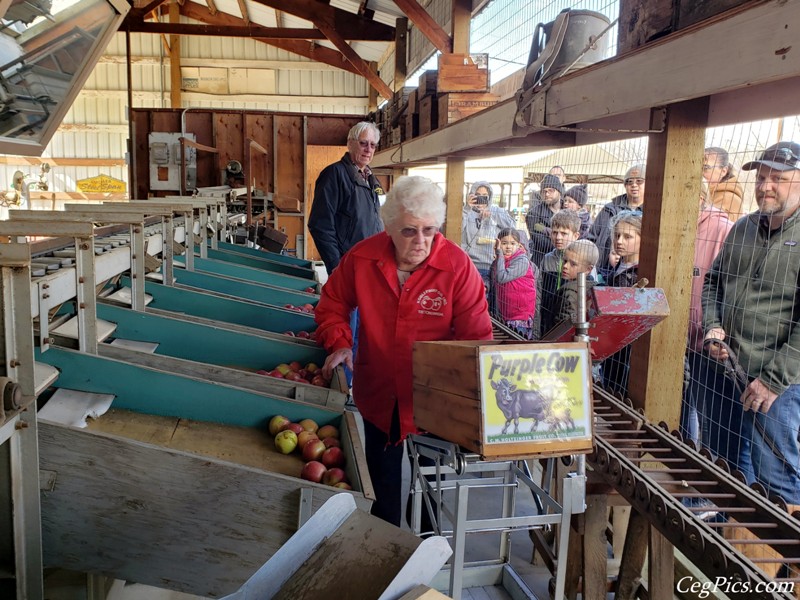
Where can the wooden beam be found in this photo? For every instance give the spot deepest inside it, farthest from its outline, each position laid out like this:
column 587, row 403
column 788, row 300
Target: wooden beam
column 223, row 63
column 244, row 31
column 137, row 13
column 427, row 25
column 373, row 93
column 354, row 59
column 175, row 79
column 400, row 53
column 350, row 26
column 212, row 8
column 462, row 16
column 674, row 166
column 301, row 47
column 199, row 12
column 246, row 14
column 454, row 198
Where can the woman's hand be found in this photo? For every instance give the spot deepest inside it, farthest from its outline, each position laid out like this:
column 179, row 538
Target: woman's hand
column 342, row 355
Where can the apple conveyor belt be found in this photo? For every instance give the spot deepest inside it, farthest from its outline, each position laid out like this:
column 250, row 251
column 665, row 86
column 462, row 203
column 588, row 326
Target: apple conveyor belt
column 659, row 474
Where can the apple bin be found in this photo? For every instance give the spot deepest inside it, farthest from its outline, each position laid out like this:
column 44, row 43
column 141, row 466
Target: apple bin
column 469, row 393
column 179, row 484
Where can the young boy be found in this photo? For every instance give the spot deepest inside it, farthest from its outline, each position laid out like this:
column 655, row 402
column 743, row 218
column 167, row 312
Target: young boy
column 564, row 229
column 575, row 199
column 579, row 257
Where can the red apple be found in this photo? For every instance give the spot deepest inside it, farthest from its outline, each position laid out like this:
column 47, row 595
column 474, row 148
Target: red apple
column 289, row 333
column 275, row 373
column 328, row 431
column 304, row 437
column 311, row 290
column 304, row 335
column 262, row 372
column 318, row 381
column 330, row 442
column 313, row 471
column 342, row 485
column 314, row 450
column 309, row 425
column 333, row 457
column 295, row 427
column 286, row 441
column 295, row 366
column 308, row 307
column 289, row 306
column 277, row 423
column 303, row 373
column 334, row 476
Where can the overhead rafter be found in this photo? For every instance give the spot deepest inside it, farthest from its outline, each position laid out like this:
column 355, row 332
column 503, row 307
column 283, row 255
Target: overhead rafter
column 351, row 55
column 426, row 25
column 251, row 31
column 305, row 48
column 350, row 26
column 245, row 14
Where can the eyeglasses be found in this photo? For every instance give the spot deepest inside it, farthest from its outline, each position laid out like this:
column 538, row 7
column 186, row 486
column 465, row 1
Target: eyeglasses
column 637, row 181
column 367, row 144
column 709, row 167
column 411, row 232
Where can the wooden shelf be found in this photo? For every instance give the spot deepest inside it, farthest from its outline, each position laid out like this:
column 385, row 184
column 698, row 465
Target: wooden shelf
column 756, row 78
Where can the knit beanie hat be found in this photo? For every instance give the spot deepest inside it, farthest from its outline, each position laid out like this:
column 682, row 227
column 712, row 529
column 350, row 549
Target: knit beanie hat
column 551, row 181
column 485, row 184
column 578, row 193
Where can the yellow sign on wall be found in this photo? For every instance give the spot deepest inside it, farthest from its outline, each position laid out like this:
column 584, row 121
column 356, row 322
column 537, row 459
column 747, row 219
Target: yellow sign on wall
column 101, row 184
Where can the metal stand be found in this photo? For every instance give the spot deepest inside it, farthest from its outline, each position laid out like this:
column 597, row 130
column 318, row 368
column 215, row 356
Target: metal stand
column 429, row 484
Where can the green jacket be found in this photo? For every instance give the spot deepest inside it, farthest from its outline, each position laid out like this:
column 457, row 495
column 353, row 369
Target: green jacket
column 751, row 292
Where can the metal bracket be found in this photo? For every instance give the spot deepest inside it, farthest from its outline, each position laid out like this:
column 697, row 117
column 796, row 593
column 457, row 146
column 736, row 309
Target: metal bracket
column 530, row 115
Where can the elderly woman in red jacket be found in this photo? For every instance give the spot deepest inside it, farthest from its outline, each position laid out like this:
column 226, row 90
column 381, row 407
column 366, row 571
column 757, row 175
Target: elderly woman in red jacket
column 409, row 284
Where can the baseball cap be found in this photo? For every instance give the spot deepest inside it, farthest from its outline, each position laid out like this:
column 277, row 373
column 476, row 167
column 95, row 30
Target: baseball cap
column 782, row 156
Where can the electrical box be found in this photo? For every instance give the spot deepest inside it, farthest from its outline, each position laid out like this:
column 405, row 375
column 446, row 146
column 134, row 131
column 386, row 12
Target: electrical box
column 165, row 161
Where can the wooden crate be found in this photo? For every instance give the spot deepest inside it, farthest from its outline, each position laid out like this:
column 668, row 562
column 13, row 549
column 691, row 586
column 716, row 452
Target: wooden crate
column 397, row 135
column 456, row 397
column 463, row 73
column 428, row 114
column 411, row 125
column 427, row 84
column 457, row 105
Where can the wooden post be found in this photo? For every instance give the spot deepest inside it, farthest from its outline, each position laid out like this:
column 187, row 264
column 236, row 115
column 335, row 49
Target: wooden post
column 595, row 552
column 632, row 558
column 462, row 15
column 454, row 199
column 671, row 207
column 400, row 53
column 174, row 58
column 373, row 93
column 660, row 567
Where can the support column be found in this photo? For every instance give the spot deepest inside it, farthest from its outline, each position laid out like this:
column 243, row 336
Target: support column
column 454, row 198
column 400, row 53
column 671, row 207
column 175, row 59
column 462, row 15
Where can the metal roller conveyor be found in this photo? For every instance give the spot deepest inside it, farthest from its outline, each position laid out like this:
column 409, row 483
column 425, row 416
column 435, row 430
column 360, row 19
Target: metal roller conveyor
column 658, row 474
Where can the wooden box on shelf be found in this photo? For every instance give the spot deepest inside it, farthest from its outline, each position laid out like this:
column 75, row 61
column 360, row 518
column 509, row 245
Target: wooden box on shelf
column 463, row 73
column 286, row 203
column 427, row 84
column 411, row 125
column 428, row 114
column 468, row 392
column 455, row 106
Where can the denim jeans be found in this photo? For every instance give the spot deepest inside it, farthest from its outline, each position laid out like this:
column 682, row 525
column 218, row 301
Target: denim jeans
column 775, row 447
column 725, row 429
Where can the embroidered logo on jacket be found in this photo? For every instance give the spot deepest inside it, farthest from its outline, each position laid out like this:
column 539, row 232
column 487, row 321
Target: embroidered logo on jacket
column 432, row 302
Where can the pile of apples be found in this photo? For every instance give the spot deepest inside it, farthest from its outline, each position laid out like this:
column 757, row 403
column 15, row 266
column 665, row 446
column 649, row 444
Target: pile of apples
column 310, row 290
column 302, row 334
column 294, row 371
column 305, row 308
column 318, row 446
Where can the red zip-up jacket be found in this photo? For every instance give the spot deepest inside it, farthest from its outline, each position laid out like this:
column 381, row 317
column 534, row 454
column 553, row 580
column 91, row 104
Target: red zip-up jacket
column 442, row 300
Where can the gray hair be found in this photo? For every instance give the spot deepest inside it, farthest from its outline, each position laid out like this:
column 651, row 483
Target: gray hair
column 359, row 128
column 415, row 195
column 587, row 251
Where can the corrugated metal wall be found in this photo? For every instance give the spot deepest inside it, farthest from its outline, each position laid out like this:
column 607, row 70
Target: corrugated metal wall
column 93, row 136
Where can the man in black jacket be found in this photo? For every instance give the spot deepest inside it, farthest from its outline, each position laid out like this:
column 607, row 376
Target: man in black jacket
column 600, row 232
column 346, row 208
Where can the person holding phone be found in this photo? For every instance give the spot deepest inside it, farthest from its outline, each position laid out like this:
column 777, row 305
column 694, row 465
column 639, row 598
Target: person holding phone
column 481, row 221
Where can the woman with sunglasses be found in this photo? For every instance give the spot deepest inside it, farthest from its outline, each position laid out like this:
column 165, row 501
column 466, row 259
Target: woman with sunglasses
column 409, row 284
